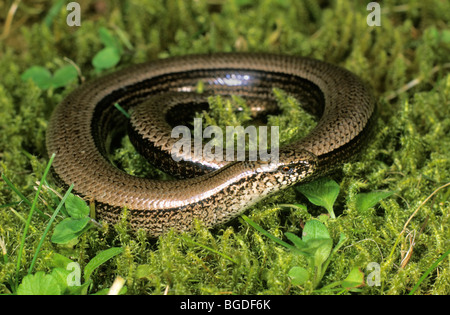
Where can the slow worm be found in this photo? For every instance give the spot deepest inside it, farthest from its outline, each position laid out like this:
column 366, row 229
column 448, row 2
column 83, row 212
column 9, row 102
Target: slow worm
column 82, row 126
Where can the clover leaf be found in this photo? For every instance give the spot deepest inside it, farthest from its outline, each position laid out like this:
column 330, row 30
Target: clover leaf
column 73, row 226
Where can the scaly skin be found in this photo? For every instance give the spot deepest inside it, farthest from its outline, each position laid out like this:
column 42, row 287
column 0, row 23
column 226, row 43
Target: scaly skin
column 82, row 124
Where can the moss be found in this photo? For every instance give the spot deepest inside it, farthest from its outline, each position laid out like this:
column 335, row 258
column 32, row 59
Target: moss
column 405, row 61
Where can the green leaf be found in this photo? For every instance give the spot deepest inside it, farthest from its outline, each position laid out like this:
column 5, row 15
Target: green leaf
column 322, row 192
column 364, row 201
column 318, row 241
column 76, row 207
column 315, row 229
column 106, row 58
column 60, row 275
column 39, row 284
column 99, row 259
column 40, row 76
column 320, row 249
column 64, row 76
column 295, row 240
column 59, row 261
column 298, row 275
column 68, row 229
column 108, row 39
column 355, row 279
column 44, row 79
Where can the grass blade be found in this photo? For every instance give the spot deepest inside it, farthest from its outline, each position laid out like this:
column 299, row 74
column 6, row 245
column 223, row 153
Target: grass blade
column 33, row 207
column 99, row 259
column 210, row 249
column 433, row 266
column 264, row 232
column 122, row 110
column 55, row 213
column 13, row 188
column 24, row 199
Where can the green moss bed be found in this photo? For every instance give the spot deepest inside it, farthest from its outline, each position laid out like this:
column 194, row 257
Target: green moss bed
column 406, row 61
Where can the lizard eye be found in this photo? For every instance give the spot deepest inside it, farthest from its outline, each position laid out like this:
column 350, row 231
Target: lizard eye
column 285, row 169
